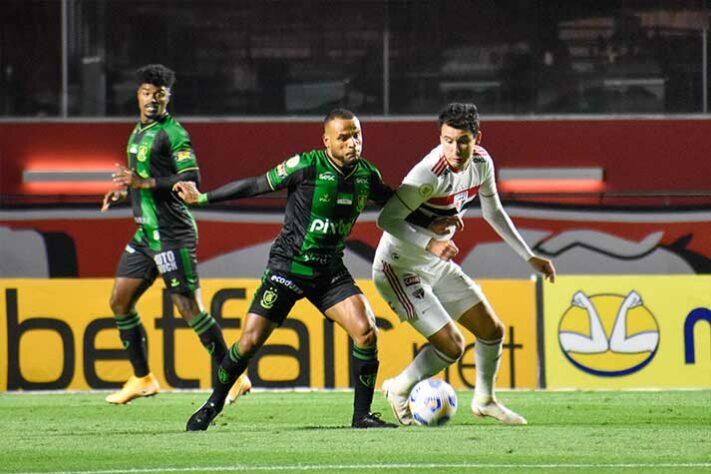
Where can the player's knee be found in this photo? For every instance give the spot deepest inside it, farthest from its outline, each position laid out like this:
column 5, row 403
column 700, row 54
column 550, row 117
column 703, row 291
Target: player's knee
column 491, row 330
column 118, row 307
column 250, row 342
column 454, row 349
column 457, row 346
column 365, row 334
column 495, row 331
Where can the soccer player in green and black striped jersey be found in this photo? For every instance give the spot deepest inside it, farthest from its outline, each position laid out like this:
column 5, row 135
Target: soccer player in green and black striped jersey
column 159, row 155
column 328, row 189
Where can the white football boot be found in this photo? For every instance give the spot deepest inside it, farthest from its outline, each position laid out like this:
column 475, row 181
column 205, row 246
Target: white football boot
column 498, row 411
column 398, row 403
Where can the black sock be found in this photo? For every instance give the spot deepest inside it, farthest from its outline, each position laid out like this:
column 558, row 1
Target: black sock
column 211, row 337
column 231, row 367
column 133, row 337
column 364, row 369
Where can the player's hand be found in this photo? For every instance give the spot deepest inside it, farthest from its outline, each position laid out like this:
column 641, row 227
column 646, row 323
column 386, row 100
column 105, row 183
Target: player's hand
column 126, row 177
column 444, row 249
column 543, row 265
column 112, row 197
column 187, row 191
column 441, row 225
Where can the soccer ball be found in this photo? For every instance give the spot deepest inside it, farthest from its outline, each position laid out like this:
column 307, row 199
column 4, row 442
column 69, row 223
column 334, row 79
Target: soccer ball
column 432, row 402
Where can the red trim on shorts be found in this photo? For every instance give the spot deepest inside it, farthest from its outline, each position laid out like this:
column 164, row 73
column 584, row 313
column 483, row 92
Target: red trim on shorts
column 399, row 292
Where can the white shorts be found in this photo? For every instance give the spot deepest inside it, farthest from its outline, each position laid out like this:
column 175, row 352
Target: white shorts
column 427, row 298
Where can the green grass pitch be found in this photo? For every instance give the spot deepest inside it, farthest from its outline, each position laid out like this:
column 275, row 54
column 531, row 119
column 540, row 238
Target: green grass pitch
column 581, row 432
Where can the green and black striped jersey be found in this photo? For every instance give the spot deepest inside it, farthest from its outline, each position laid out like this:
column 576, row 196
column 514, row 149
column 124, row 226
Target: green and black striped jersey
column 322, row 207
column 162, row 150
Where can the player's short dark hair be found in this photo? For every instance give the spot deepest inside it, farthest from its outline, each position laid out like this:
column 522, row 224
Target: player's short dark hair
column 460, row 116
column 338, row 114
column 155, row 74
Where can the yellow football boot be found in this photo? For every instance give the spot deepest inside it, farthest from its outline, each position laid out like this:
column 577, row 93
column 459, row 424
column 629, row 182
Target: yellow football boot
column 242, row 386
column 133, row 388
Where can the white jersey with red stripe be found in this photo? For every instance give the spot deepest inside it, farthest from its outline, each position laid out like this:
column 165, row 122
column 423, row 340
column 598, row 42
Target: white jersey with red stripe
column 432, row 189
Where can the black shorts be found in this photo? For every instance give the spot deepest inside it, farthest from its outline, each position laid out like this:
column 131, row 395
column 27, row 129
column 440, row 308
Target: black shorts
column 279, row 292
column 177, row 266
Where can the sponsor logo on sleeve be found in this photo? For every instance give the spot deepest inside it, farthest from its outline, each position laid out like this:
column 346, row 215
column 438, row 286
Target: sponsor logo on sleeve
column 281, row 170
column 293, row 161
column 184, row 155
column 426, row 190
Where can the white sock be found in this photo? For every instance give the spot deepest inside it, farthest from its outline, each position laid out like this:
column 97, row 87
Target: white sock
column 428, row 362
column 487, row 355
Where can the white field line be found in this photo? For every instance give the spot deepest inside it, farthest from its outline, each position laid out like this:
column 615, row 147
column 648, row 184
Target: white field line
column 413, row 466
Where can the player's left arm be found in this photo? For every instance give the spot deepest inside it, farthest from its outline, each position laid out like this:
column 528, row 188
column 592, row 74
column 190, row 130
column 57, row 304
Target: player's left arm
column 174, row 143
column 379, row 191
column 494, row 213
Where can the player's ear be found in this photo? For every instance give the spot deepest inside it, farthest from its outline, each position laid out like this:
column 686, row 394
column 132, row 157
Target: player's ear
column 477, row 139
column 325, row 140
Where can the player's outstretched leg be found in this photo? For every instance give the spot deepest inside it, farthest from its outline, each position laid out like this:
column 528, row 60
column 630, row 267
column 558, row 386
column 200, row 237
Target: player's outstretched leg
column 230, row 368
column 487, row 356
column 365, row 368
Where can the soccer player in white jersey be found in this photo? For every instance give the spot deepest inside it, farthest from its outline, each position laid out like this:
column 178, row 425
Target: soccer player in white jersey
column 414, row 272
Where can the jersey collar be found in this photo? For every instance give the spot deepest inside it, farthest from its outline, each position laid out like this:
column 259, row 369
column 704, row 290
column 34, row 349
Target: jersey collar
column 142, row 128
column 338, row 168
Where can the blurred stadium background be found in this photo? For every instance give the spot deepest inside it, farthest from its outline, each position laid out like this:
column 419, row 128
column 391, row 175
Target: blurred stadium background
column 596, row 115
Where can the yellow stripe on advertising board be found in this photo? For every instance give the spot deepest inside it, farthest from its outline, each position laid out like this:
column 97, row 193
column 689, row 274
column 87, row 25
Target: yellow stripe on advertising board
column 628, row 332
column 62, row 336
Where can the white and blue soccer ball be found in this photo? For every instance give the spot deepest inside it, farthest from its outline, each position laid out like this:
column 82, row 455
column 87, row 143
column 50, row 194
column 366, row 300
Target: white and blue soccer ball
column 432, row 402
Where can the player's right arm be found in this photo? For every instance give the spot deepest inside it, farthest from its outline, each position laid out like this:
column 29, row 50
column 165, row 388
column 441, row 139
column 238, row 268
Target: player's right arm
column 417, row 188
column 281, row 176
column 247, row 187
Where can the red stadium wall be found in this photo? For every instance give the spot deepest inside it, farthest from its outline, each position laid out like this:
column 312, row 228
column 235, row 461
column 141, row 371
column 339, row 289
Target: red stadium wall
column 648, row 155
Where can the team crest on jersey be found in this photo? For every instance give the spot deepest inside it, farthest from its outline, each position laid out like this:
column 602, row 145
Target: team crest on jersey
column 362, row 201
column 142, row 153
column 269, row 298
column 425, row 190
column 293, row 161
